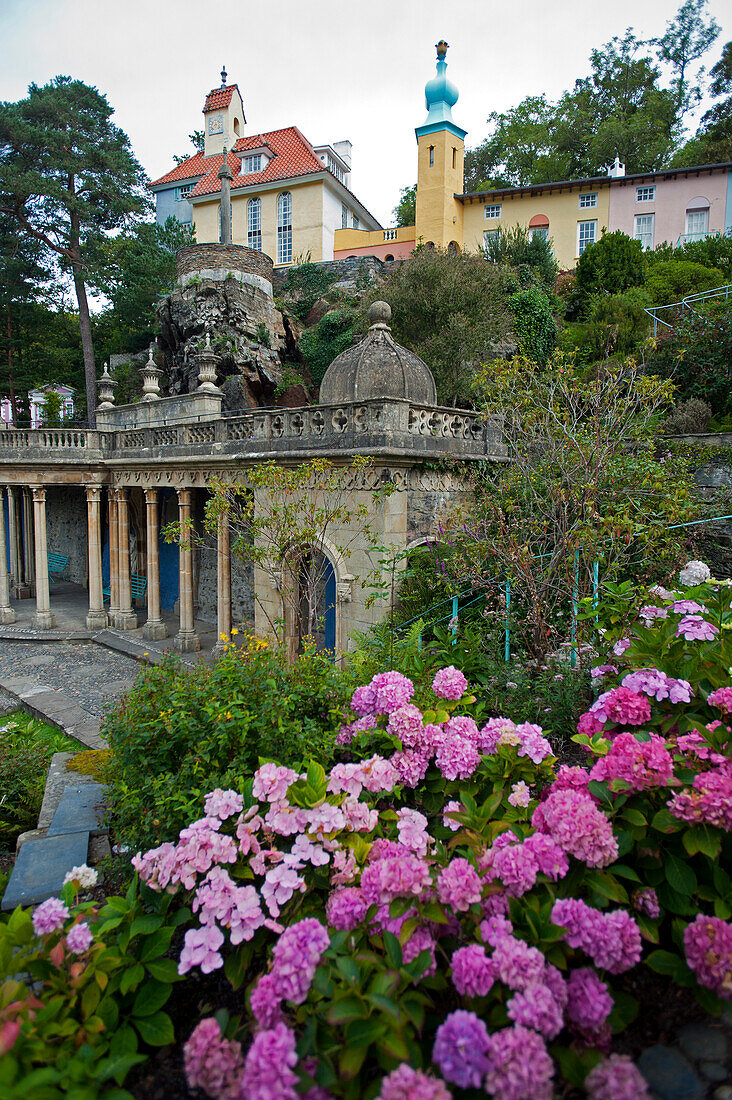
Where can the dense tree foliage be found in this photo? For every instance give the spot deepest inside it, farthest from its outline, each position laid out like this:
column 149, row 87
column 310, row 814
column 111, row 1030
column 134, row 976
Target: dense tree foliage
column 68, row 177
column 621, row 109
column 609, row 266
column 405, row 211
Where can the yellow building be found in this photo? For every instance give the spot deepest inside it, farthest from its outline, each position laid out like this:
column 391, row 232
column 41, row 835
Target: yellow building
column 288, row 197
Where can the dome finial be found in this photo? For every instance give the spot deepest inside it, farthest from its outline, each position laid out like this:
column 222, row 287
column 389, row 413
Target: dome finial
column 379, row 314
column 440, row 94
column 441, row 48
column 223, row 77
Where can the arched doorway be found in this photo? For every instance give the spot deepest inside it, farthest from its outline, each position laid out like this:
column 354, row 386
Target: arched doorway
column 317, row 602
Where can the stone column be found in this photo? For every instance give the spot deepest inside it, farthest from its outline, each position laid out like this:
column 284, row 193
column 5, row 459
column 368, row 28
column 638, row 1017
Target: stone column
column 154, row 628
column 126, row 617
column 223, row 584
column 7, row 615
column 97, row 616
column 15, row 570
column 186, row 640
column 29, row 558
column 44, row 617
column 113, row 557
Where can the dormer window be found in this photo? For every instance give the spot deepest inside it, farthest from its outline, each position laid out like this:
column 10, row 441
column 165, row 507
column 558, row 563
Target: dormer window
column 184, row 190
column 251, row 164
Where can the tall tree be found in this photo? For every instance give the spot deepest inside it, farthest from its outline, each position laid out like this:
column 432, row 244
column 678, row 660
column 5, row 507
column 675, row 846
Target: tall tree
column 68, row 176
column 405, row 211
column 688, row 37
column 22, row 276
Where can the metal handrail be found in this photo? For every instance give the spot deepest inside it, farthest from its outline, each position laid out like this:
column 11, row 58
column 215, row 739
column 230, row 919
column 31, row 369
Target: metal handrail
column 685, row 303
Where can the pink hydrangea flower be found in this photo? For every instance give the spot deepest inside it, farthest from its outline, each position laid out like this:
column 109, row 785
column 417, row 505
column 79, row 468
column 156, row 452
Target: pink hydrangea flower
column 602, row 670
column 640, row 764
column 394, row 876
column 616, row 1078
column 696, row 629
column 345, row 908
column 405, row 1083
column 532, row 743
column 79, row 938
column 472, row 971
column 420, row 940
column 650, row 613
column 457, row 758
column 447, row 820
column 657, row 685
column 550, row 858
column 412, row 830
column 622, row 706
column 620, row 646
column 520, row 1067
column 391, row 690
column 296, row 956
column 458, row 885
column 212, row 1063
column 406, row 724
column 411, row 767
column 494, row 929
column 517, row 964
column 708, row 948
column 520, row 795
column 646, row 901
column 271, row 782
column 363, row 700
column 223, row 804
column 201, row 948
column 721, row 698
column 449, row 683
column 461, row 726
column 49, row 917
column 269, row 1064
column 280, row 883
column 688, row 607
column 612, row 940
column 497, row 731
column 589, row 1003
column 589, row 724
column 537, row 1007
column 573, row 820
column 708, row 802
column 266, row 1002
column 514, row 865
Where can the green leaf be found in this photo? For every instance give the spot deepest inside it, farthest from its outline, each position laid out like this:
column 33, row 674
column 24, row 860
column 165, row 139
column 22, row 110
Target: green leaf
column 701, row 838
column 679, row 875
column 385, row 1004
column 131, row 978
column 144, row 926
column 606, row 886
column 361, row 1033
column 394, row 1045
column 350, row 1061
column 118, row 1067
column 156, row 944
column 663, row 962
column 624, row 1011
column 151, row 998
column 349, row 969
column 633, row 816
column 165, row 970
column 664, row 822
column 346, row 1010
column 393, row 950
column 156, row 1030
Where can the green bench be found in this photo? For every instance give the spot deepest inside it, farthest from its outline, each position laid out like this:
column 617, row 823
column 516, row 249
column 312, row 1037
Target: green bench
column 58, row 564
column 138, row 588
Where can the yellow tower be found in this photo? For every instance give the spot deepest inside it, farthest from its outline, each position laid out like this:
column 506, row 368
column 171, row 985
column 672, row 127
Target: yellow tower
column 440, row 155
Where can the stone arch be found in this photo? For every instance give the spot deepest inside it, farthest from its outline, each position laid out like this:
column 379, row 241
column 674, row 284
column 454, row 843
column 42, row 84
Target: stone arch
column 338, row 591
column 389, row 257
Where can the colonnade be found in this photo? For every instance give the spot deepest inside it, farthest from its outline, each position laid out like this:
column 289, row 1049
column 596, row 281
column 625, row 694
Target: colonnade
column 27, row 553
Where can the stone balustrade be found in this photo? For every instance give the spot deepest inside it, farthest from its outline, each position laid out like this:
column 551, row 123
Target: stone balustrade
column 371, row 427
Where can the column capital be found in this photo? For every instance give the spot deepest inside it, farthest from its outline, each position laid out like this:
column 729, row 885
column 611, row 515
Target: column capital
column 39, row 493
column 120, row 494
column 93, row 494
column 151, row 495
column 184, row 496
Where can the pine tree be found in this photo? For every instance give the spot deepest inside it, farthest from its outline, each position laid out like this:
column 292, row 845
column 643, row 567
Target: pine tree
column 68, row 177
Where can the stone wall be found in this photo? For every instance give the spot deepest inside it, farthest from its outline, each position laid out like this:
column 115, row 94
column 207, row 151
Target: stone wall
column 714, row 540
column 242, row 588
column 222, row 257
column 66, row 529
column 350, row 274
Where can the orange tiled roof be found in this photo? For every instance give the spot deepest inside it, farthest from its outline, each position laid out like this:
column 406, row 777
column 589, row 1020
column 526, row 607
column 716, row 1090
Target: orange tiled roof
column 219, row 97
column 196, row 165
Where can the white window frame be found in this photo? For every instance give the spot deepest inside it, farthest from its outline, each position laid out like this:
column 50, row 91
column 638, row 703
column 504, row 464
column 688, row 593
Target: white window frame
column 490, row 234
column 284, row 228
column 588, row 200
column 492, row 210
column 539, row 231
column 644, row 229
column 645, row 194
column 183, row 190
column 356, row 224
column 254, row 224
column 692, row 217
column 344, row 216
column 252, row 164
column 583, row 239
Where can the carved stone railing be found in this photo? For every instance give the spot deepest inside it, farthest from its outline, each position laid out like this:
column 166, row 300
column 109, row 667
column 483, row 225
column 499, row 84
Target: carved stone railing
column 379, row 427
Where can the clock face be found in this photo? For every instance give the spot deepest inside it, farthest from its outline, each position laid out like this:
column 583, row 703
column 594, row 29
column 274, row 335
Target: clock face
column 216, row 124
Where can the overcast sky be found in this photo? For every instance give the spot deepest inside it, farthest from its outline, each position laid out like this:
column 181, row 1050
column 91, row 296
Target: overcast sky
column 334, row 68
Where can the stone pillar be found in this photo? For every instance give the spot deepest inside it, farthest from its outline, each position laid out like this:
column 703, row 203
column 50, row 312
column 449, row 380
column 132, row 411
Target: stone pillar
column 97, row 616
column 7, row 615
column 44, row 617
column 154, row 628
column 126, row 617
column 186, row 640
column 29, row 558
column 223, row 584
column 15, row 570
column 113, row 557
column 226, row 176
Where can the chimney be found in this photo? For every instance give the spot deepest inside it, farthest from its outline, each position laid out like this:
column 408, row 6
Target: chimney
column 617, row 170
column 343, row 149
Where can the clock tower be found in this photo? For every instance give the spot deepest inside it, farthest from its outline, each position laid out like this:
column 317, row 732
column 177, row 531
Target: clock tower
column 223, row 117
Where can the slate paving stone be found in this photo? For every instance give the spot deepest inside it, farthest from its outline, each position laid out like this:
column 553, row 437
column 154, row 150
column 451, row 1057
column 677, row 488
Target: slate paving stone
column 40, row 868
column 700, row 1041
column 88, row 675
column 81, row 809
column 713, row 1071
column 670, row 1075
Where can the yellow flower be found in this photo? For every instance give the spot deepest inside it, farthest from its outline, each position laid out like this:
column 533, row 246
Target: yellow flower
column 234, row 630
column 223, row 637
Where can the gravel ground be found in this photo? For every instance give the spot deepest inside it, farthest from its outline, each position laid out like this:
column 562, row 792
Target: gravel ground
column 91, row 675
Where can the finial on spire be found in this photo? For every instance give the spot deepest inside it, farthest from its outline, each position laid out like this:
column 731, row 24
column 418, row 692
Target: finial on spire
column 223, row 77
column 441, row 48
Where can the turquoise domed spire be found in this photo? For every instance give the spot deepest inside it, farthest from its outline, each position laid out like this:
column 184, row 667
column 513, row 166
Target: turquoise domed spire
column 440, row 96
column 439, row 93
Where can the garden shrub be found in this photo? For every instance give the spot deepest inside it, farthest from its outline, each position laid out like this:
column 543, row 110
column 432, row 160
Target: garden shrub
column 533, row 324
column 334, row 333
column 532, row 257
column 181, row 729
column 669, row 281
column 306, row 283
column 617, row 325
column 688, row 416
column 26, row 748
column 611, row 265
column 697, row 357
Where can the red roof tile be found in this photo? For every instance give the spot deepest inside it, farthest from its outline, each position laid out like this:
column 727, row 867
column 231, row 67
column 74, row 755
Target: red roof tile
column 196, row 165
column 219, row 97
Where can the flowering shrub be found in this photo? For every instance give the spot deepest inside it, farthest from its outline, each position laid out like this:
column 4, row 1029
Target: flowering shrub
column 83, row 991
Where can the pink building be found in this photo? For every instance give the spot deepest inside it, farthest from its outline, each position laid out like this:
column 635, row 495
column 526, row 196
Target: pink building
column 674, row 206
